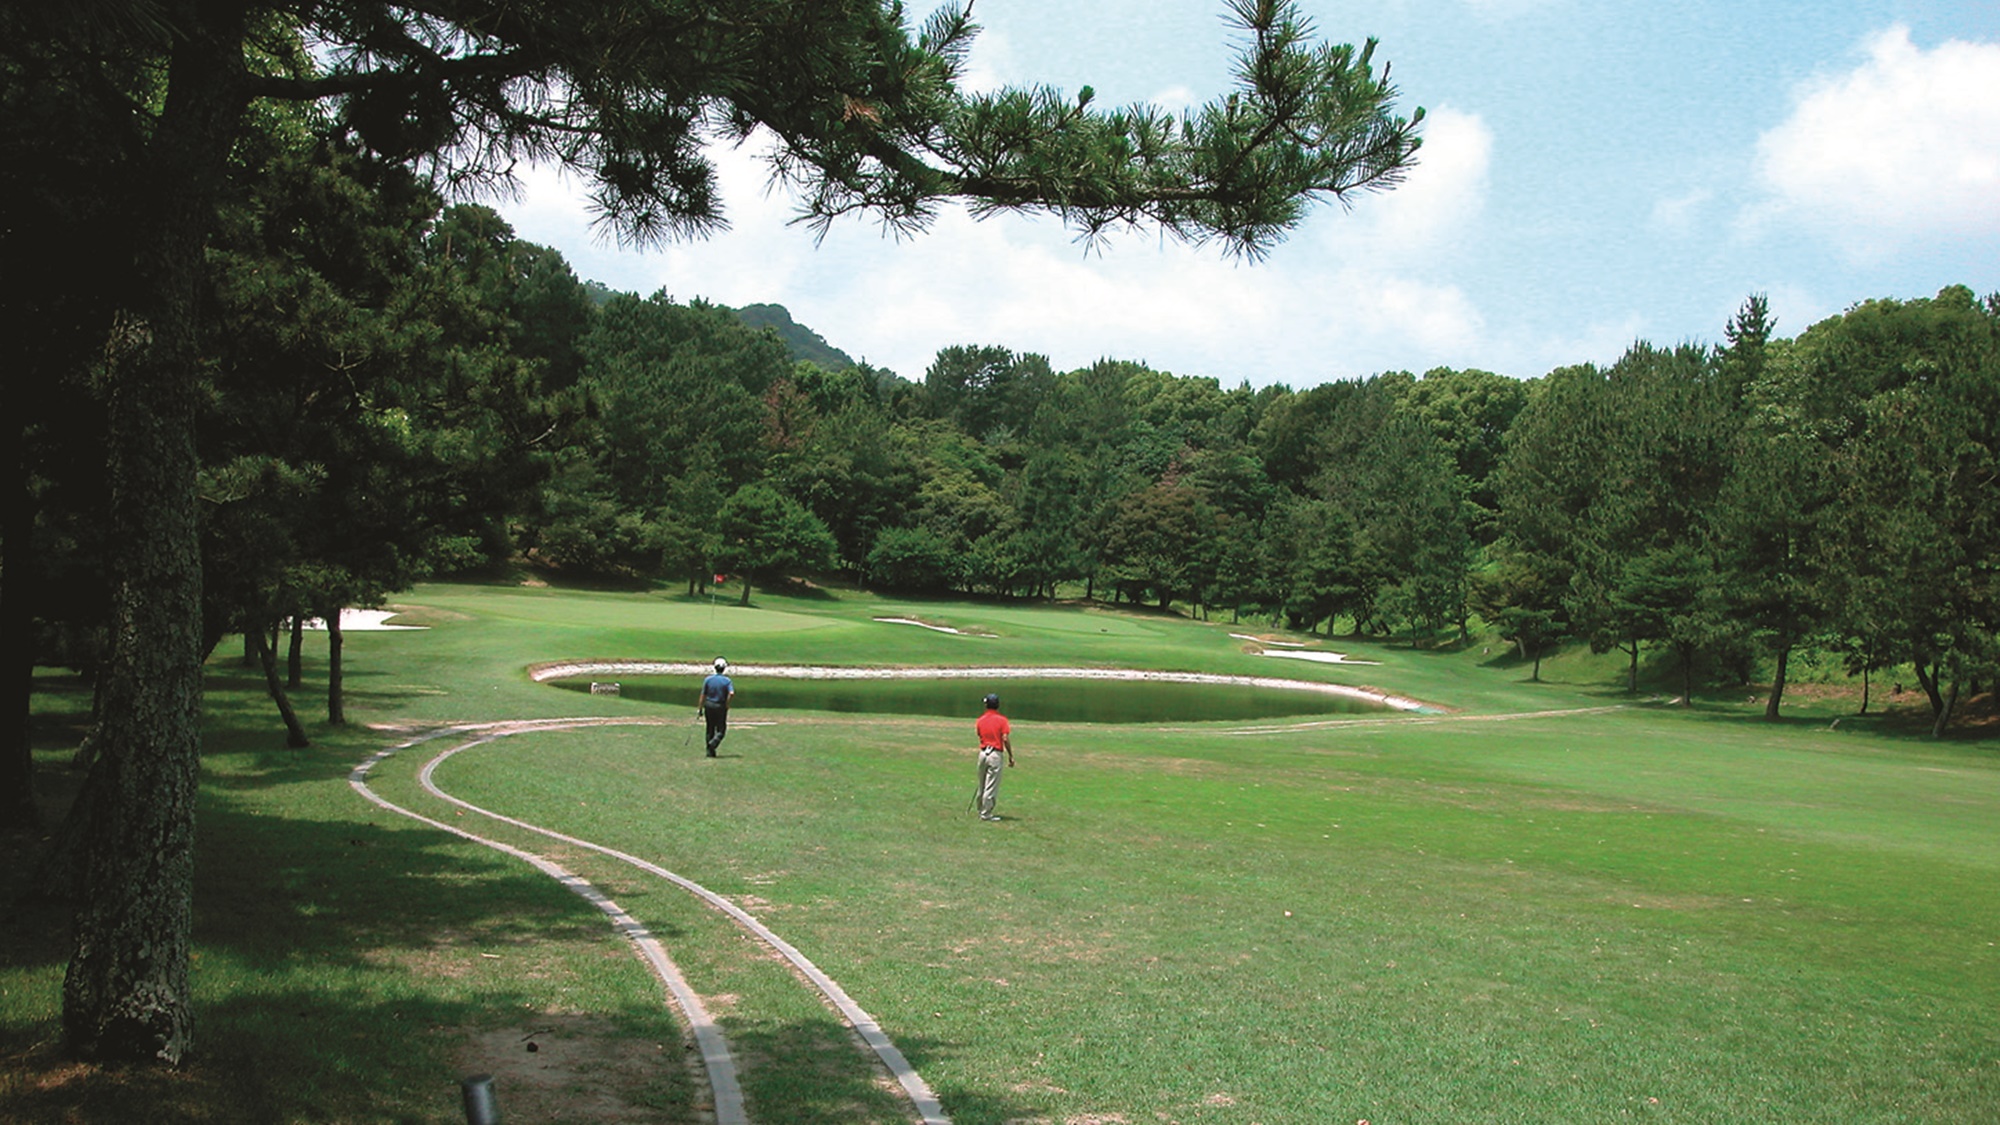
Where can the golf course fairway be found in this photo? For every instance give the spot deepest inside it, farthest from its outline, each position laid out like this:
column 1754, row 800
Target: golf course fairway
column 1530, row 901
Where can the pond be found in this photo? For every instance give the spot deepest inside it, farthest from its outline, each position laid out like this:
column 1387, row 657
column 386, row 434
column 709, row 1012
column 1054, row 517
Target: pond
column 1034, row 699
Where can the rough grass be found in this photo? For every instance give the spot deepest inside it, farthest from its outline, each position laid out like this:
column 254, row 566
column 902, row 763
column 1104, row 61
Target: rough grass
column 1499, row 915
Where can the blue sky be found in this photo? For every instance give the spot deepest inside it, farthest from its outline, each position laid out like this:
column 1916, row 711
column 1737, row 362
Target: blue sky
column 1593, row 174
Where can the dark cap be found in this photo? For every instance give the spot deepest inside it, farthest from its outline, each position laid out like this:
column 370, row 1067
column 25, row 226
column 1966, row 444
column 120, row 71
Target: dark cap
column 992, row 701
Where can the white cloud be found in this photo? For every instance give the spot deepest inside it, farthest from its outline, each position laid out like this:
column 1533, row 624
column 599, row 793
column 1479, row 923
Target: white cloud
column 1681, row 214
column 1443, row 195
column 1177, row 99
column 1351, row 293
column 1904, row 146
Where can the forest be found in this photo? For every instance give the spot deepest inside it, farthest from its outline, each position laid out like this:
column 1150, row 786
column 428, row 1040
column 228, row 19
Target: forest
column 400, row 389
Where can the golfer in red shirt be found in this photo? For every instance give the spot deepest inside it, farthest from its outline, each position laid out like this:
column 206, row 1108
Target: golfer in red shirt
column 996, row 737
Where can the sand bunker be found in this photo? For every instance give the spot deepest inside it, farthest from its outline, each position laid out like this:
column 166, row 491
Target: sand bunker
column 1319, row 657
column 1264, row 641
column 928, row 625
column 363, row 621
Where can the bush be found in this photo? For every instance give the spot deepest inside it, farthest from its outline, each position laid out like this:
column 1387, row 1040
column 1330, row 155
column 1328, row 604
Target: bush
column 909, row 559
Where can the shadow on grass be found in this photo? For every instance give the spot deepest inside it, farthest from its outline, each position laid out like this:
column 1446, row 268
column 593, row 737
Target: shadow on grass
column 308, row 997
column 343, row 966
column 815, row 1083
column 290, row 1055
column 341, row 970
column 810, row 1072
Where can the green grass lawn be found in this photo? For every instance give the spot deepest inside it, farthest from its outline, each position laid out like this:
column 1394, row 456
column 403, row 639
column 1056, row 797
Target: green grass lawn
column 1555, row 903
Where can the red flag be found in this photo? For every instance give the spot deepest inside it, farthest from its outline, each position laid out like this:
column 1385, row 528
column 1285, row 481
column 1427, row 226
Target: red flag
column 719, row 578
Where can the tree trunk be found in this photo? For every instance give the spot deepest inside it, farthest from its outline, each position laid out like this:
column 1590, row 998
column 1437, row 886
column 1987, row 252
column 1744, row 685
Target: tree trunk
column 86, row 749
column 336, row 678
column 295, row 733
column 1632, row 673
column 18, row 810
column 1865, row 681
column 125, row 997
column 1777, row 685
column 746, row 592
column 1929, row 677
column 1942, row 705
column 295, row 654
column 1944, row 716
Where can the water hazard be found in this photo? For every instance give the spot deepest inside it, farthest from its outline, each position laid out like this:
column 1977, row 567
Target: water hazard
column 1051, row 700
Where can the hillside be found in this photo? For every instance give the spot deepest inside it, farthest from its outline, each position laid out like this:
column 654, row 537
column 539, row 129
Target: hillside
column 803, row 342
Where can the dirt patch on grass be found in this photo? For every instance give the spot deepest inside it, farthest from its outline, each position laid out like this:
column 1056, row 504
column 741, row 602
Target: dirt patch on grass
column 40, row 1083
column 570, row 1068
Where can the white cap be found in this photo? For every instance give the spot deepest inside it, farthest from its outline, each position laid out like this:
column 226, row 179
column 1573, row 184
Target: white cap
column 721, row 664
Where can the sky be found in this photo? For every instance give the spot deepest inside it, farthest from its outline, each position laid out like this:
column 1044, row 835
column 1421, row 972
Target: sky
column 1592, row 174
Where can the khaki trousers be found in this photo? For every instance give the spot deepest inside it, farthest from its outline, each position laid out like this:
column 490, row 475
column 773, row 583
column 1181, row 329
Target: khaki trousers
column 991, row 761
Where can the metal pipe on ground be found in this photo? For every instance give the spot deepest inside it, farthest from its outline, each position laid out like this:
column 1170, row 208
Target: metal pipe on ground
column 481, row 1106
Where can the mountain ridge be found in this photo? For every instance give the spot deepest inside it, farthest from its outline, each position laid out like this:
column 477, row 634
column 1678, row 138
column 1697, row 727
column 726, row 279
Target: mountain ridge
column 803, row 342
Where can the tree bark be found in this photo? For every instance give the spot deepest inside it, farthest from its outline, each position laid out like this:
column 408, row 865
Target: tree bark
column 125, row 997
column 336, row 682
column 1929, row 678
column 295, row 733
column 1941, row 703
column 295, row 672
column 86, row 749
column 18, row 809
column 1944, row 715
column 1777, row 684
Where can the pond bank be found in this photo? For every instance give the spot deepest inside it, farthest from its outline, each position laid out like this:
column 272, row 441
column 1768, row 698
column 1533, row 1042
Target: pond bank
column 555, row 670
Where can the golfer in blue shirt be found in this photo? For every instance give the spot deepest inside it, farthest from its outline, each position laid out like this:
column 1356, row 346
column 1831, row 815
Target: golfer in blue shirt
column 716, row 692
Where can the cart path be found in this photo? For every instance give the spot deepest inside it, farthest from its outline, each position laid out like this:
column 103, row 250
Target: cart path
column 715, row 1054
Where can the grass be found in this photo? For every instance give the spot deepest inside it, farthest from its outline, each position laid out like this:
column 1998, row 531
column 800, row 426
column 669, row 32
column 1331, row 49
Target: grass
column 1504, row 914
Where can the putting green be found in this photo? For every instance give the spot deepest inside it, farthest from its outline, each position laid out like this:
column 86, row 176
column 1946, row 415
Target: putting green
column 597, row 610
column 975, row 619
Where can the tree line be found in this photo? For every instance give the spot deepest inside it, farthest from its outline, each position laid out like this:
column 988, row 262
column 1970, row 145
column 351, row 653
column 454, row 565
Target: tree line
column 401, row 388
column 1724, row 507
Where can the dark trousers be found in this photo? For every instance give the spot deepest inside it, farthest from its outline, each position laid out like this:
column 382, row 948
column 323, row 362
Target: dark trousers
column 718, row 725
